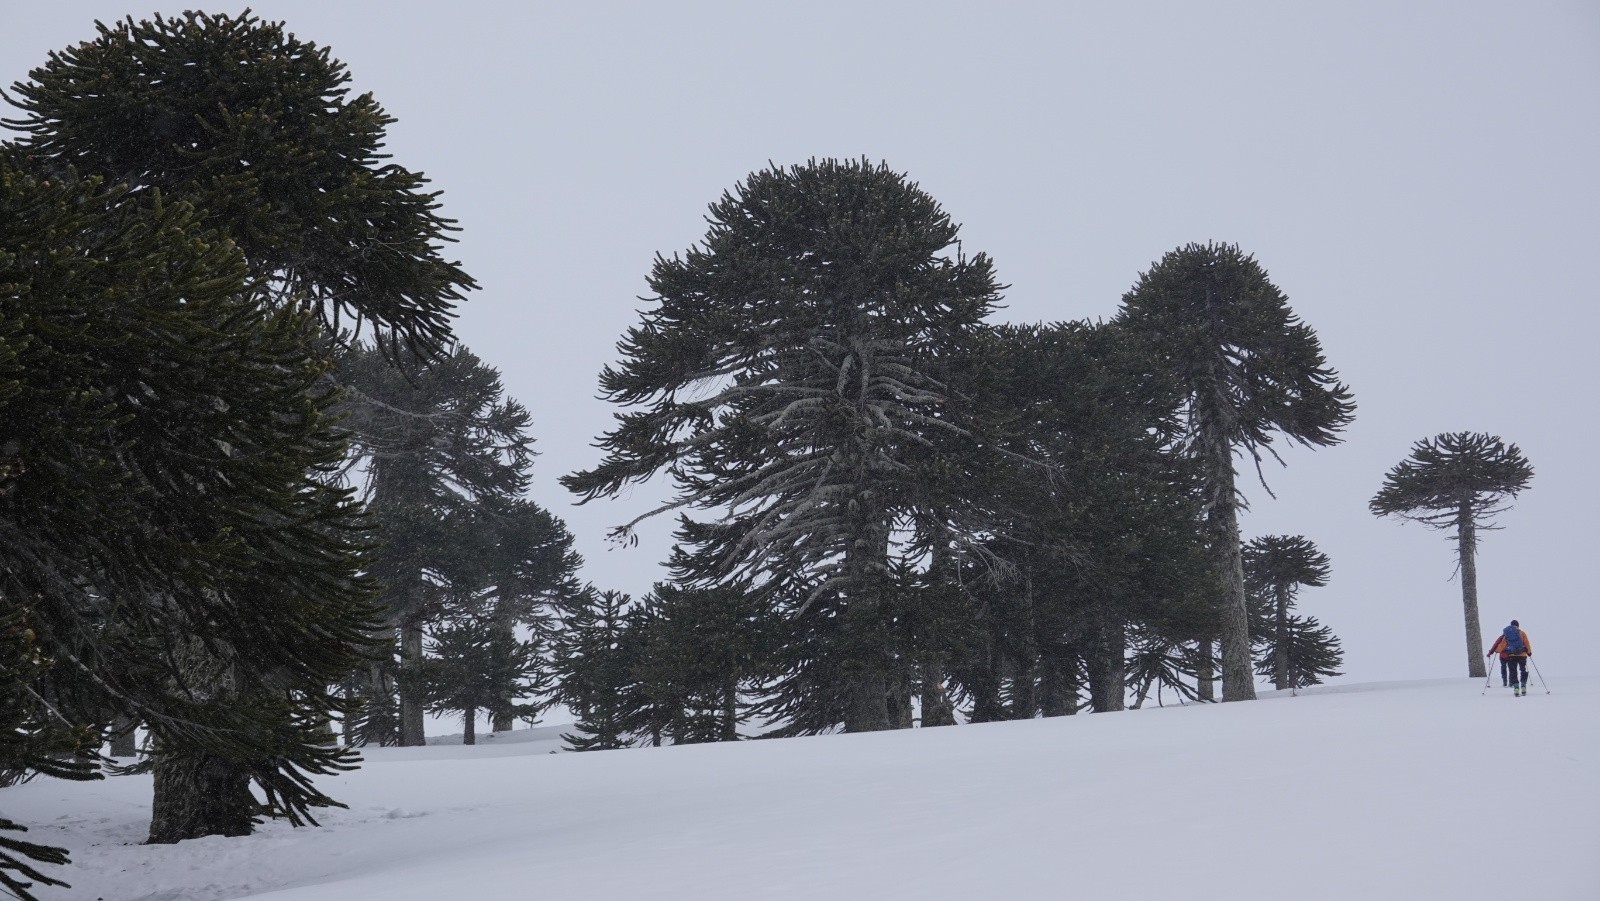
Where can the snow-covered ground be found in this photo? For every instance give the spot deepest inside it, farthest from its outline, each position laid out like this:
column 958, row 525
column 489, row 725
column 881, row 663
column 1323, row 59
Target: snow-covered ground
column 1412, row 790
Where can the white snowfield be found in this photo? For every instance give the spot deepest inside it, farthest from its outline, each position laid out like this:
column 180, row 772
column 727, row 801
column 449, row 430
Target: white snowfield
column 1414, row 790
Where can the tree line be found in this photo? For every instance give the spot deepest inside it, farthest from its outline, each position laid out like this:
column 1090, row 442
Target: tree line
column 261, row 508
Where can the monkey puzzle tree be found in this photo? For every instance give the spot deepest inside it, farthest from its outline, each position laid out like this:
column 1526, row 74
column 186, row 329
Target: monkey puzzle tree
column 439, row 442
column 1249, row 370
column 787, row 377
column 167, row 496
column 1311, row 653
column 1460, row 481
column 1275, row 568
column 256, row 128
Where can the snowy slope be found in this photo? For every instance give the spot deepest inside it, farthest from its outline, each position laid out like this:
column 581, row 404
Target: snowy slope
column 1384, row 791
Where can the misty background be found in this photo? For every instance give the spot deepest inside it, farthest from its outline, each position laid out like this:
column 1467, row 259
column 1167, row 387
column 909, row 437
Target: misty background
column 1420, row 179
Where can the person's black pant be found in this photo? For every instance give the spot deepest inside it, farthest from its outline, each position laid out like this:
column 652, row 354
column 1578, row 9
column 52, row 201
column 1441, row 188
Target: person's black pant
column 1517, row 665
column 1505, row 670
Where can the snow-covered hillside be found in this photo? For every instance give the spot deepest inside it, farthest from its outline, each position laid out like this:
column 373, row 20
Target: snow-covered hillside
column 1383, row 791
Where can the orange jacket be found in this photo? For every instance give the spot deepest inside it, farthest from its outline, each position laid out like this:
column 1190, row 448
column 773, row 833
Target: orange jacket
column 1500, row 645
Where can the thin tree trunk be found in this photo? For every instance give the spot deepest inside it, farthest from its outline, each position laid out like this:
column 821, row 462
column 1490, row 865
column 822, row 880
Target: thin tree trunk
column 411, row 706
column 1280, row 654
column 1205, row 672
column 501, row 720
column 936, row 707
column 730, row 709
column 469, row 728
column 899, row 700
column 1467, row 547
column 1238, row 676
column 1024, row 690
column 986, row 703
column 1058, row 689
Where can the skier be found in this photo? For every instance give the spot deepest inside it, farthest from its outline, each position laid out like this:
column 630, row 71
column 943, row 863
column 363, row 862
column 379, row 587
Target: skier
column 1514, row 649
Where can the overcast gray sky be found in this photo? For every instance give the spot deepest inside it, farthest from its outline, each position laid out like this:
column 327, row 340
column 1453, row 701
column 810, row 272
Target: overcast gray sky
column 1422, row 179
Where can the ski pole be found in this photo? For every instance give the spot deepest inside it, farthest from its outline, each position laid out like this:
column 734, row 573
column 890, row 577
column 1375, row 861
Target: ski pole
column 1539, row 674
column 1486, row 683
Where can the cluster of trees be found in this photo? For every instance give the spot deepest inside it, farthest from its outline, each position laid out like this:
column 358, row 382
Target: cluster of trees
column 244, row 466
column 914, row 508
column 251, row 488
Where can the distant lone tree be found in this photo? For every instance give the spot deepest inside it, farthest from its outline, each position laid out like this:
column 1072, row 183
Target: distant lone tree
column 1249, row 370
column 1460, row 481
column 1275, row 567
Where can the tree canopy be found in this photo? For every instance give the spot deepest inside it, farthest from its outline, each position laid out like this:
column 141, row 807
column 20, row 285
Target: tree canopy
column 787, row 374
column 1249, row 370
column 257, row 129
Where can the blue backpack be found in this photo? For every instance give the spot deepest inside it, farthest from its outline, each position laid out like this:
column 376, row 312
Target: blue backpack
column 1513, row 640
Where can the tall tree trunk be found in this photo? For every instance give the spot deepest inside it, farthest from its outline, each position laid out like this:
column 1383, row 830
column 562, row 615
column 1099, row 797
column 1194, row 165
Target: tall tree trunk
column 1052, row 690
column 987, row 706
column 1205, row 671
column 1467, row 548
column 1280, row 653
column 469, row 728
column 899, row 700
column 122, row 736
column 1108, row 668
column 866, row 707
column 411, row 706
column 1238, row 676
column 198, row 793
column 865, row 669
column 501, row 720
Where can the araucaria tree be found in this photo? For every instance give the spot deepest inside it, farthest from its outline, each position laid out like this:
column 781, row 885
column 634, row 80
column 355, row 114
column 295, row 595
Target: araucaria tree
column 1275, row 568
column 251, row 138
column 1457, row 480
column 787, row 376
column 1250, row 370
column 167, row 522
column 258, row 130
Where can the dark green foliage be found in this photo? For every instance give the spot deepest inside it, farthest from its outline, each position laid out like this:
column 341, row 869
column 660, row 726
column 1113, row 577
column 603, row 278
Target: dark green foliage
column 477, row 664
column 257, row 129
column 1248, row 366
column 168, row 482
column 1311, row 651
column 594, row 665
column 786, row 376
column 1098, row 517
column 697, row 650
column 215, row 591
column 1161, row 662
column 1275, row 568
column 32, row 742
column 445, row 457
column 1451, row 470
column 1247, row 370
